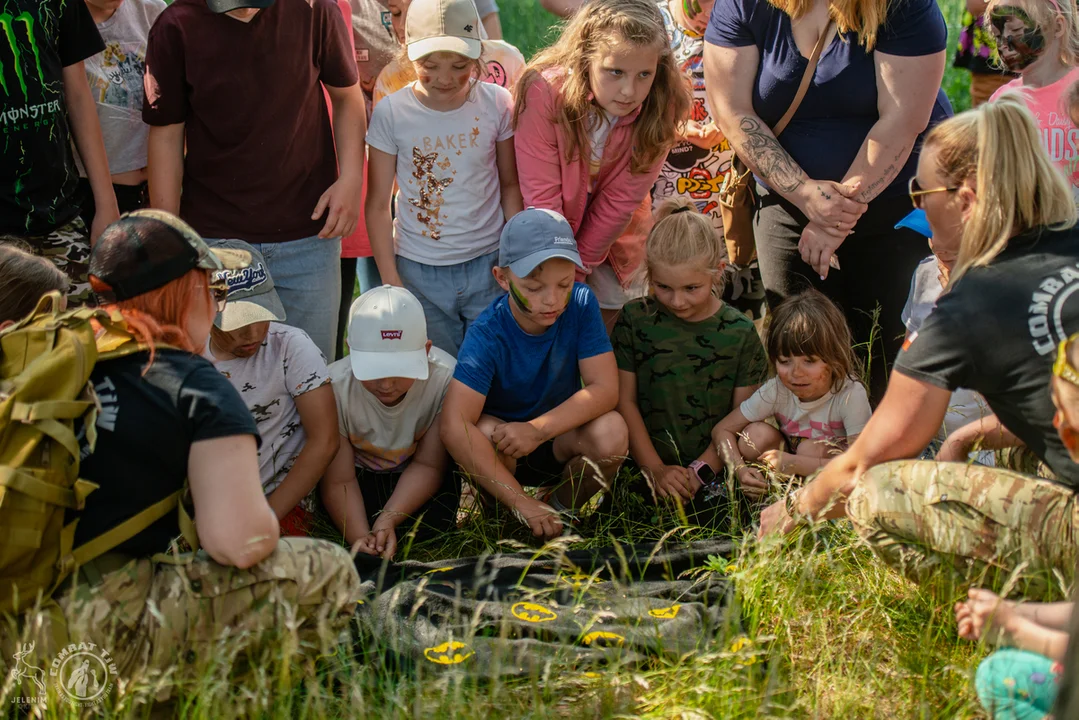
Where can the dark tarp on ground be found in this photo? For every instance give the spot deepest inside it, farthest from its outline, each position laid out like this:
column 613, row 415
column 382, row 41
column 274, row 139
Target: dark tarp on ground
column 526, row 612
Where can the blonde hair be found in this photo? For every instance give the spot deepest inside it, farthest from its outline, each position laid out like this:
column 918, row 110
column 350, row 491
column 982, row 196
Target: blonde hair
column 997, row 148
column 1044, row 14
column 683, row 236
column 863, row 17
column 597, row 25
column 811, row 325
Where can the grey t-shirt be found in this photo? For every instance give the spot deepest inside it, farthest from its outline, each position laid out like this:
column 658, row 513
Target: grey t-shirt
column 115, row 78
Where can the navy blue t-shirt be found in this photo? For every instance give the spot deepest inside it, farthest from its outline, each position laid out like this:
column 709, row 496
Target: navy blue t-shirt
column 840, row 107
column 524, row 375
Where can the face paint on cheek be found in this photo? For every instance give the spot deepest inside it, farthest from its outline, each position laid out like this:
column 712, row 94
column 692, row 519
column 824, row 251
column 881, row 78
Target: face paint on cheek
column 1017, row 49
column 691, row 9
column 522, row 303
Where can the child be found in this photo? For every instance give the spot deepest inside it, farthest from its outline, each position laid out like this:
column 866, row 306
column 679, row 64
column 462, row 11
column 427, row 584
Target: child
column 1039, row 40
column 47, row 106
column 697, row 165
column 447, row 140
column 391, row 469
column 1022, row 680
column 504, row 62
column 282, row 378
column 24, row 279
column 961, row 428
column 595, row 116
column 815, row 399
column 684, row 356
column 532, row 400
column 115, row 78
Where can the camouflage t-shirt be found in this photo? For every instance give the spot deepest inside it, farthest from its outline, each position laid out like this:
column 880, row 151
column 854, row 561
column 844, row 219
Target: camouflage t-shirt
column 686, row 372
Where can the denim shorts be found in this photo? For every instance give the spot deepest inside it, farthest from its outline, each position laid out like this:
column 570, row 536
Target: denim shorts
column 453, row 296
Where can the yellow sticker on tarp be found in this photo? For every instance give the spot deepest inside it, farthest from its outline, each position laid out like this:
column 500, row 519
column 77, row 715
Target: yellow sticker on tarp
column 665, row 613
column 576, row 579
column 438, row 570
column 602, row 638
column 533, row 613
column 450, row 652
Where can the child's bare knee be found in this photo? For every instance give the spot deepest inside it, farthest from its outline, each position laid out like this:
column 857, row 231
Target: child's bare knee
column 756, row 438
column 487, row 424
column 605, row 437
column 818, row 449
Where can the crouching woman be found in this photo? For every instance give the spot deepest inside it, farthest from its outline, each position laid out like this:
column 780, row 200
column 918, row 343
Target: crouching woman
column 167, row 415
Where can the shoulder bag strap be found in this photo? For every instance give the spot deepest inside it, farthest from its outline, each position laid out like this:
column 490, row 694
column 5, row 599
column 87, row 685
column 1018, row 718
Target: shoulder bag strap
column 807, row 77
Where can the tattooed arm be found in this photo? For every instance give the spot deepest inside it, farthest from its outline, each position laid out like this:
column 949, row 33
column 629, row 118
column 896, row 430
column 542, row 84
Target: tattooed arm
column 729, row 77
column 906, row 91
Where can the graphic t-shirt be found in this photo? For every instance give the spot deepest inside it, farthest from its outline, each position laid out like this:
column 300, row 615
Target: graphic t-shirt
column 287, row 366
column 1059, row 137
column 38, row 179
column 145, row 429
column 827, row 132
column 525, row 375
column 449, row 206
column 385, row 438
column 260, row 152
column 115, row 78
column 689, row 171
column 372, row 36
column 996, row 331
column 835, row 416
column 505, row 63
column 686, row 372
column 966, row 406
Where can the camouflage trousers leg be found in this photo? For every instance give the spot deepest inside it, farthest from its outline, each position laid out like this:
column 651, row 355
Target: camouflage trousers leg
column 68, row 247
column 953, row 525
column 153, row 617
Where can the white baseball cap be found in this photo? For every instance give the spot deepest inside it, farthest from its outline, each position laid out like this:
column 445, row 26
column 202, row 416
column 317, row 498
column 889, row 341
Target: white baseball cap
column 387, row 335
column 443, row 25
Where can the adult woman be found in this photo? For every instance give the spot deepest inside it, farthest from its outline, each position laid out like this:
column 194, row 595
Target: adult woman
column 166, row 415
column 995, row 331
column 843, row 161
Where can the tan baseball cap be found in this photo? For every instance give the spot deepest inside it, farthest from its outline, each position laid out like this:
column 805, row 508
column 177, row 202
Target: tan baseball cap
column 443, row 26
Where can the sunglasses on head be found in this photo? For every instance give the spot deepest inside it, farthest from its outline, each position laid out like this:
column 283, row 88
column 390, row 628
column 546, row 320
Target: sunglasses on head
column 220, row 290
column 1062, row 368
column 917, row 193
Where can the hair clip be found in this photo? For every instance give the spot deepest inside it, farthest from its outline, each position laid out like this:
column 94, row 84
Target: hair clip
column 684, row 208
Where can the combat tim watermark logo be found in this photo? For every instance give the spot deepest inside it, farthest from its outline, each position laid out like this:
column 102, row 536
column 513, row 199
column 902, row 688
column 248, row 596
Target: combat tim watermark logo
column 83, row 674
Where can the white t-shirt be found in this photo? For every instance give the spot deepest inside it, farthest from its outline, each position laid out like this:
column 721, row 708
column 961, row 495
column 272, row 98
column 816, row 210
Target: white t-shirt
column 287, row 365
column 965, row 406
column 834, row 416
column 449, row 206
column 385, row 438
column 115, row 77
column 599, row 130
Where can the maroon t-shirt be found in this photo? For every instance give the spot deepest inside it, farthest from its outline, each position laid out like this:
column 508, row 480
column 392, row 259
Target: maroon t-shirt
column 260, row 151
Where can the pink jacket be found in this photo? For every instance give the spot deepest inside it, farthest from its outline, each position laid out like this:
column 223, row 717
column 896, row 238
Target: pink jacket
column 602, row 227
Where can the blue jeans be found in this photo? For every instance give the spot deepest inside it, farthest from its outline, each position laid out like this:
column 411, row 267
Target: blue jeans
column 453, row 296
column 307, row 275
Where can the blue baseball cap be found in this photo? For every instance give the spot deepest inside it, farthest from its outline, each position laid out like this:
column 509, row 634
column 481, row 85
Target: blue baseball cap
column 916, row 221
column 533, row 236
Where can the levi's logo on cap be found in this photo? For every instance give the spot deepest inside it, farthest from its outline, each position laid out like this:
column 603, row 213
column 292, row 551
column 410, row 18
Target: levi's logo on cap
column 391, row 334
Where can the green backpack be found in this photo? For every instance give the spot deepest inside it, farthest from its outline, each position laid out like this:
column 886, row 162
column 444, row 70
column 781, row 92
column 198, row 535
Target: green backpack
column 45, row 365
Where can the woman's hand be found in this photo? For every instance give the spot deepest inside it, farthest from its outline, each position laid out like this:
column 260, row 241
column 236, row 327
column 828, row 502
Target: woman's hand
column 704, row 135
column 831, row 206
column 775, row 519
column 817, row 247
column 984, row 615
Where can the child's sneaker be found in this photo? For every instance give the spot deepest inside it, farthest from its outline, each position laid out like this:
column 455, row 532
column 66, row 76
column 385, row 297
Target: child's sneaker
column 745, row 290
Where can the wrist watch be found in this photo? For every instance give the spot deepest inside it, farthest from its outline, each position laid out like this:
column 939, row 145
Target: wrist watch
column 703, row 471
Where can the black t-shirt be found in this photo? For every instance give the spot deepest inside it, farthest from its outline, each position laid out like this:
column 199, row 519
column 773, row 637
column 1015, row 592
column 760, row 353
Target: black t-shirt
column 38, row 182
column 145, row 429
column 997, row 332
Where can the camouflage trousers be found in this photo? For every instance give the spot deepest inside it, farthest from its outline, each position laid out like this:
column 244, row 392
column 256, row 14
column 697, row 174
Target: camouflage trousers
column 954, row 524
column 185, row 617
column 68, row 247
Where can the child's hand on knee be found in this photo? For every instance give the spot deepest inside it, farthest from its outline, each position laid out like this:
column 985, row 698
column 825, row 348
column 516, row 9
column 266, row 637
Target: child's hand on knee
column 753, row 483
column 516, row 440
column 777, row 460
